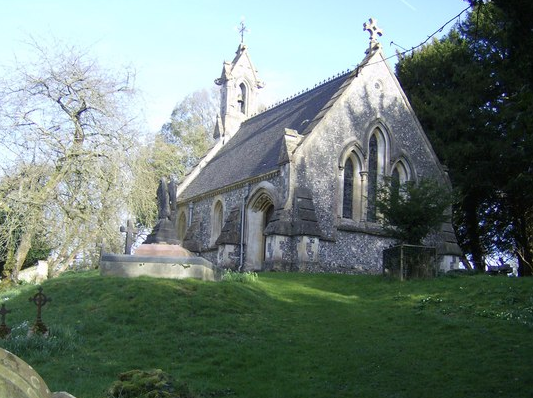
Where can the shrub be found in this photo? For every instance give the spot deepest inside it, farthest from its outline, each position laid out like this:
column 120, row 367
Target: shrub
column 235, row 276
column 411, row 211
column 147, row 384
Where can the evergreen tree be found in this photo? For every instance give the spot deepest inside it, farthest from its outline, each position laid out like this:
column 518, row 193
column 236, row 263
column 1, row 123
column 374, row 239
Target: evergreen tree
column 410, row 211
column 472, row 92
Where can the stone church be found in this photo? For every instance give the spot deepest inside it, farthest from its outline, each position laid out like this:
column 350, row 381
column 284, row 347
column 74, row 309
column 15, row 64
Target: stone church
column 294, row 187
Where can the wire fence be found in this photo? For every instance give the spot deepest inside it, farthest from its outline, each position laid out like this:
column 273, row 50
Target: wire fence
column 410, row 262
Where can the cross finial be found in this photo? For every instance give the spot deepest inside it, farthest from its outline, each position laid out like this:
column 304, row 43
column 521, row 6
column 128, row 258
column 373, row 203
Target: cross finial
column 372, row 28
column 242, row 30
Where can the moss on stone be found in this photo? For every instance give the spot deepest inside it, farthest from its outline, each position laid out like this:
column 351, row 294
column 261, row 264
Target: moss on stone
column 147, row 384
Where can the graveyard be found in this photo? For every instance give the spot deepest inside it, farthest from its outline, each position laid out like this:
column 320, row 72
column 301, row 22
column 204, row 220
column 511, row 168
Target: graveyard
column 279, row 334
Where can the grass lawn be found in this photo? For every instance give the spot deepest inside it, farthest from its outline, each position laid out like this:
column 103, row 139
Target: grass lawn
column 285, row 335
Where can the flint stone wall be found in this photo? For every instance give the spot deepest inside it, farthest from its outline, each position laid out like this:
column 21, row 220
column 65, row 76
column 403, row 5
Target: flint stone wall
column 202, row 212
column 372, row 100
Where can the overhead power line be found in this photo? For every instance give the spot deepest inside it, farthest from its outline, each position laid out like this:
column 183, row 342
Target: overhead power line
column 399, row 54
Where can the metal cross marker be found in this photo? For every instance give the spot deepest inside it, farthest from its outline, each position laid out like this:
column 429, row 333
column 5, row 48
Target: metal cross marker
column 4, row 330
column 242, row 30
column 131, row 231
column 372, row 28
column 40, row 300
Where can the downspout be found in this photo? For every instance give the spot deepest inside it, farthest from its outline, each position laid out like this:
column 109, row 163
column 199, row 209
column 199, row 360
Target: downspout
column 243, row 219
column 191, row 207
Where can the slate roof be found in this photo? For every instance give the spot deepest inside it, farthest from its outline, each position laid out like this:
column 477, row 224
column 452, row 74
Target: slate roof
column 254, row 150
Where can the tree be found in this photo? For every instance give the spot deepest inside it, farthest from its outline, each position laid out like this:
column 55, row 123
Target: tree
column 472, row 92
column 433, row 79
column 66, row 131
column 192, row 124
column 150, row 162
column 20, row 229
column 410, row 211
column 173, row 152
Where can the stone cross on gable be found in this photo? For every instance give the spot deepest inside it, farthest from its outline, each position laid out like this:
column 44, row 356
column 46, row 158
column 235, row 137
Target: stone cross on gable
column 40, row 299
column 372, row 28
column 131, row 231
column 4, row 330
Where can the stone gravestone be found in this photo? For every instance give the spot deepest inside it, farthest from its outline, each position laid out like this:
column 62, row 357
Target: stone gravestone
column 20, row 380
column 5, row 330
column 130, row 231
column 40, row 299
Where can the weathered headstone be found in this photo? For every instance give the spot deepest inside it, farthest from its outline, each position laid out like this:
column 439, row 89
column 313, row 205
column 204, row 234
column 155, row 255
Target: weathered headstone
column 20, row 380
column 4, row 329
column 130, row 231
column 40, row 299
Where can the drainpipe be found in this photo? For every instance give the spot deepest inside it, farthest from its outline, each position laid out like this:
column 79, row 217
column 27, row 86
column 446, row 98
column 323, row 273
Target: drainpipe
column 243, row 219
column 191, row 207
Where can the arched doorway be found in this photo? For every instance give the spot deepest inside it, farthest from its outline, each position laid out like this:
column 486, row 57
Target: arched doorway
column 182, row 226
column 258, row 214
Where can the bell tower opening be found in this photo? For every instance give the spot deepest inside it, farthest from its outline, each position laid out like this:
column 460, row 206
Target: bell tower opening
column 242, row 98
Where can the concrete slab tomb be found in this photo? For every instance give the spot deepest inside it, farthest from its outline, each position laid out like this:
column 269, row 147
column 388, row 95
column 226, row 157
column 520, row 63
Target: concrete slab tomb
column 161, row 255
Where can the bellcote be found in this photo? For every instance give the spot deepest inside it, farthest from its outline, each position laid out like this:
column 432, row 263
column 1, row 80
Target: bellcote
column 239, row 88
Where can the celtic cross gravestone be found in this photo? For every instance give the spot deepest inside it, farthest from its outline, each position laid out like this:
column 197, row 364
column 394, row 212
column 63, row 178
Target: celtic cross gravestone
column 40, row 299
column 4, row 329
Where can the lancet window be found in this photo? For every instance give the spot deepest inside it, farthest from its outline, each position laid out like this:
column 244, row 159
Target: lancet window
column 242, row 97
column 377, row 154
column 217, row 220
column 351, row 187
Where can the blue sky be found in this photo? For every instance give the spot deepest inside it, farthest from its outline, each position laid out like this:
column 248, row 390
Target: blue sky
column 177, row 47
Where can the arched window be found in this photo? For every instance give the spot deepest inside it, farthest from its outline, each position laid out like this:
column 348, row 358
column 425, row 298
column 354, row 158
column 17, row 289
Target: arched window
column 347, row 200
column 399, row 176
column 182, row 226
column 372, row 178
column 395, row 183
column 242, row 98
column 351, row 187
column 217, row 220
column 377, row 155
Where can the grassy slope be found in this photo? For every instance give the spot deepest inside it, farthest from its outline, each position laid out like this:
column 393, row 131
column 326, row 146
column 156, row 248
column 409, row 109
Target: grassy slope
column 290, row 335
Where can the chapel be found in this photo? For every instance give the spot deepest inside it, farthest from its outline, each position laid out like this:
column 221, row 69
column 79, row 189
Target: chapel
column 294, row 187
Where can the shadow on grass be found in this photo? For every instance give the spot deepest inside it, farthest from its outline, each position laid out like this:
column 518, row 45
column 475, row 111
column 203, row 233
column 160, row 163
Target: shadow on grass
column 286, row 335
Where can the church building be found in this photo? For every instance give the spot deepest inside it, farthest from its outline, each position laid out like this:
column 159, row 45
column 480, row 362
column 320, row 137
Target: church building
column 294, row 187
